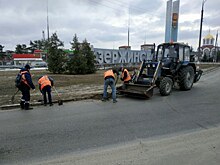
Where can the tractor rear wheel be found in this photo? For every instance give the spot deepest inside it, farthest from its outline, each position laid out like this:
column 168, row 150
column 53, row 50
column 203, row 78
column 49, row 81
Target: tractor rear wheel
column 166, row 86
column 186, row 78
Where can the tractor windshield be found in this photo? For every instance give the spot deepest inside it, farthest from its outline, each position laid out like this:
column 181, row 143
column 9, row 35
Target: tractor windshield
column 166, row 51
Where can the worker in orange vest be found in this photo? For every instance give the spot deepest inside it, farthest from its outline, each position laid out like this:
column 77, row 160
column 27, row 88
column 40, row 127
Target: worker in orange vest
column 25, row 86
column 125, row 76
column 45, row 83
column 109, row 77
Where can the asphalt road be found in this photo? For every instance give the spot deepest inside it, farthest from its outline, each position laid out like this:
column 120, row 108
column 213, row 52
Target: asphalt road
column 45, row 132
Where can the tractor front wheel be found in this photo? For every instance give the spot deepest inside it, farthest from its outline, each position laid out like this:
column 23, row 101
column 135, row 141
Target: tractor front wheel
column 166, row 86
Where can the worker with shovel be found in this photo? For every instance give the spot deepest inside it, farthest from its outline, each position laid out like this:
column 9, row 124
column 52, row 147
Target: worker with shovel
column 109, row 77
column 125, row 75
column 45, row 82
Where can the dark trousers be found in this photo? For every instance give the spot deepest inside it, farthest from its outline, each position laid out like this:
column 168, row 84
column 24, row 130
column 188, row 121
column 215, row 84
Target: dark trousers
column 47, row 91
column 25, row 90
column 25, row 99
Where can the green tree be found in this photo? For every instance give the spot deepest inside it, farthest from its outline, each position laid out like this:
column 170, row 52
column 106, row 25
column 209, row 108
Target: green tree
column 1, row 54
column 38, row 45
column 75, row 44
column 18, row 49
column 1, row 48
column 90, row 57
column 83, row 58
column 77, row 64
column 56, row 56
column 21, row 49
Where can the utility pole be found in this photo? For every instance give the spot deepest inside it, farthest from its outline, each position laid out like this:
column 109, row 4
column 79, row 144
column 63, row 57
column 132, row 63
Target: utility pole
column 200, row 32
column 129, row 27
column 43, row 35
column 48, row 32
column 216, row 41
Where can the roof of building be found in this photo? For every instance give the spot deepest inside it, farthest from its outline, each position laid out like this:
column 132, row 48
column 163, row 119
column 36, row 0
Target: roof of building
column 124, row 46
column 25, row 56
column 147, row 45
column 209, row 36
column 38, row 51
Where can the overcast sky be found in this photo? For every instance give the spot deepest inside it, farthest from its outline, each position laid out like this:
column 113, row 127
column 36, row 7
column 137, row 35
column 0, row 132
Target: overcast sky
column 104, row 23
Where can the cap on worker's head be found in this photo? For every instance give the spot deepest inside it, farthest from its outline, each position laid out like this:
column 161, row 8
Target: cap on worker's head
column 27, row 66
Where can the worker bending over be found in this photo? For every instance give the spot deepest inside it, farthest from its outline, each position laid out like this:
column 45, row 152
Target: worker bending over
column 45, row 82
column 125, row 76
column 109, row 80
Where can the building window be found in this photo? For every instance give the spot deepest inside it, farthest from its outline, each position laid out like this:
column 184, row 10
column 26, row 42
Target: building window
column 207, row 41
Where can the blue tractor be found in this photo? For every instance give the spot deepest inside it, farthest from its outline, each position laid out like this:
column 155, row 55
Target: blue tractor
column 172, row 64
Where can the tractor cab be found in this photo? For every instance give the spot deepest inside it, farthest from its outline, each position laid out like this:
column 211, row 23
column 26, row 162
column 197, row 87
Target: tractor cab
column 172, row 53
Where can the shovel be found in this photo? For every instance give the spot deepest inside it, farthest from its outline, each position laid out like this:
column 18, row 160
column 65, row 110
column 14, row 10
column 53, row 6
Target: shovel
column 60, row 101
column 13, row 97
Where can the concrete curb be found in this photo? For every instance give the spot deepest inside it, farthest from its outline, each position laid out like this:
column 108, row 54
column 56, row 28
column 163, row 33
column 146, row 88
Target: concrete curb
column 78, row 98
column 206, row 71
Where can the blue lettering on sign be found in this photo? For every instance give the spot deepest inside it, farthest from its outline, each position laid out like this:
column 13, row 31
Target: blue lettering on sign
column 110, row 56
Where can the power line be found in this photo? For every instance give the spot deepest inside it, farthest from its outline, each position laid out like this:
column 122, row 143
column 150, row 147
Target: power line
column 134, row 8
column 101, row 4
column 108, row 4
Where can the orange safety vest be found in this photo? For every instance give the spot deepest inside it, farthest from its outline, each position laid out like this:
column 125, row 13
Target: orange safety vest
column 23, row 79
column 44, row 81
column 109, row 73
column 128, row 78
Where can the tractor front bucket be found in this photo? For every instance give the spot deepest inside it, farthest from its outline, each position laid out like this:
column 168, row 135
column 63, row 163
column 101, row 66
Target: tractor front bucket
column 136, row 90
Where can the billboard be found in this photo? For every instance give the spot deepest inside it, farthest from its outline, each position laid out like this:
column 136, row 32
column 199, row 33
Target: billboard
column 112, row 56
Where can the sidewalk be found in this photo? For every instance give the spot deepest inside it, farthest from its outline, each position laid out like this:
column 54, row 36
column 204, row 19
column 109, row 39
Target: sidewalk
column 197, row 148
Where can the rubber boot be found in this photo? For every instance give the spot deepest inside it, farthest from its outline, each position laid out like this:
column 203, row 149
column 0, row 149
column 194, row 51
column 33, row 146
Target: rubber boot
column 22, row 104
column 27, row 106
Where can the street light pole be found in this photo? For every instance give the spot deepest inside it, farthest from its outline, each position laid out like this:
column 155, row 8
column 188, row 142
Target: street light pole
column 48, row 32
column 201, row 21
column 216, row 41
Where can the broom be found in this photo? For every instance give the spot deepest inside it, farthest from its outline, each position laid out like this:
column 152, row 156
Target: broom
column 60, row 101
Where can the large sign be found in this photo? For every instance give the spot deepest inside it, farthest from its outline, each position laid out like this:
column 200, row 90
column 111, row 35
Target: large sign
column 111, row 56
column 172, row 16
